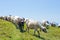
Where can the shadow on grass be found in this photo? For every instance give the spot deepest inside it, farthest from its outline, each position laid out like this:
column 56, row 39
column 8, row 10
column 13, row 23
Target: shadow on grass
column 39, row 37
column 23, row 31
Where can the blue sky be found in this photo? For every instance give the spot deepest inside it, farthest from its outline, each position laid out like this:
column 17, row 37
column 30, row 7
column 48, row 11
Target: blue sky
column 35, row 9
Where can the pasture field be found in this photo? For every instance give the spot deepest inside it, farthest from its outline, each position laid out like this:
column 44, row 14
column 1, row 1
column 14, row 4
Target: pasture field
column 8, row 31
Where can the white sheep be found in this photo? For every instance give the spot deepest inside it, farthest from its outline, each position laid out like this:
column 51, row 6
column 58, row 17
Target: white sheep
column 32, row 24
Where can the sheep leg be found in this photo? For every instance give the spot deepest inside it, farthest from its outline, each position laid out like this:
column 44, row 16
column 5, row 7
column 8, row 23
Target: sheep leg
column 35, row 31
column 28, row 29
column 38, row 33
column 40, row 29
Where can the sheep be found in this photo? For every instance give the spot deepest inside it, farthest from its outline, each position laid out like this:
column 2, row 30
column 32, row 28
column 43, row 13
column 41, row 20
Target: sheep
column 1, row 17
column 32, row 24
column 7, row 18
column 19, row 22
column 46, row 24
column 58, row 25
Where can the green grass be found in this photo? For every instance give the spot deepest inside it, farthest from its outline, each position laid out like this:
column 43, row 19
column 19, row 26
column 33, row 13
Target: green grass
column 8, row 31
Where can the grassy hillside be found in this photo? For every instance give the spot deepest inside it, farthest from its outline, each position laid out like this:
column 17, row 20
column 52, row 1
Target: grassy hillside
column 8, row 31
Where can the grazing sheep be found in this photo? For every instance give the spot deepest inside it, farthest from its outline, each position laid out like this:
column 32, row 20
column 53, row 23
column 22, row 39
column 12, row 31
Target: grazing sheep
column 19, row 22
column 9, row 18
column 4, row 18
column 32, row 24
column 46, row 24
column 1, row 17
column 53, row 24
column 58, row 25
